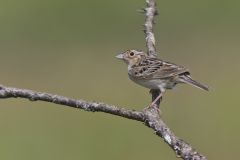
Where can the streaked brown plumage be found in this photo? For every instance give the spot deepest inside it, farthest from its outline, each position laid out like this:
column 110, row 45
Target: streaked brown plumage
column 155, row 73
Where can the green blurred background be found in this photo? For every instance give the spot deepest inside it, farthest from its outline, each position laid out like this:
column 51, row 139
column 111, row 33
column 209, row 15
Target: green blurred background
column 68, row 47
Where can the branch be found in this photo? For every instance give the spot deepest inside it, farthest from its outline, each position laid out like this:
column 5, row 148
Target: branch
column 150, row 12
column 149, row 116
column 181, row 148
column 9, row 92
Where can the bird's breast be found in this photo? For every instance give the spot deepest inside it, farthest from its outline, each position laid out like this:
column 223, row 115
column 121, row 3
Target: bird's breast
column 153, row 83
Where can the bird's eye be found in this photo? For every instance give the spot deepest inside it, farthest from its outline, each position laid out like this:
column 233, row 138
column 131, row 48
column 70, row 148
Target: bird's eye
column 131, row 54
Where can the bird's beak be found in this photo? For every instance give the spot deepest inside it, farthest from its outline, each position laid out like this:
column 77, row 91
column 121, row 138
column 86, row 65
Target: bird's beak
column 119, row 56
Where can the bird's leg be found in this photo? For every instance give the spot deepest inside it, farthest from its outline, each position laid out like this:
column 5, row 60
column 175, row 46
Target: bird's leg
column 156, row 96
column 156, row 99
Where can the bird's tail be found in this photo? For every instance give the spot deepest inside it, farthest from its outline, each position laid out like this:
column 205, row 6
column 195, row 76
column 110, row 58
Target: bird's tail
column 187, row 79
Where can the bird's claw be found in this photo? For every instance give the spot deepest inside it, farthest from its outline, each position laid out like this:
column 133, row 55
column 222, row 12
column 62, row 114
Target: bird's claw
column 154, row 107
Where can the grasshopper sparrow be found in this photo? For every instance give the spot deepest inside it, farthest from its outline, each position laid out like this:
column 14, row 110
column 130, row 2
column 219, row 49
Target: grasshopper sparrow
column 155, row 73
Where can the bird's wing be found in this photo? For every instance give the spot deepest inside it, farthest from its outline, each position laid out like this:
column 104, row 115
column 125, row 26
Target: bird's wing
column 169, row 70
column 153, row 68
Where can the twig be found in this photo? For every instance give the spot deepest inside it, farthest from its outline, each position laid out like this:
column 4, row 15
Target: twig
column 150, row 12
column 149, row 116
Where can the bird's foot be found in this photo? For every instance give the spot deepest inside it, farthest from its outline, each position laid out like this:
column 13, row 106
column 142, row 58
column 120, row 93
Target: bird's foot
column 153, row 107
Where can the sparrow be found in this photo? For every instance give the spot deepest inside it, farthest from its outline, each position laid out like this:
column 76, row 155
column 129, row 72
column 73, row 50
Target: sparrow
column 154, row 73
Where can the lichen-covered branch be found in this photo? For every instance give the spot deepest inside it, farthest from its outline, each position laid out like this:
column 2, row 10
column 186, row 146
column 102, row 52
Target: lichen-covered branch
column 181, row 148
column 9, row 92
column 150, row 13
column 149, row 116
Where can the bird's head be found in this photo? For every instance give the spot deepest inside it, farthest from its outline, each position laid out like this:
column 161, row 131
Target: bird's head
column 131, row 57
